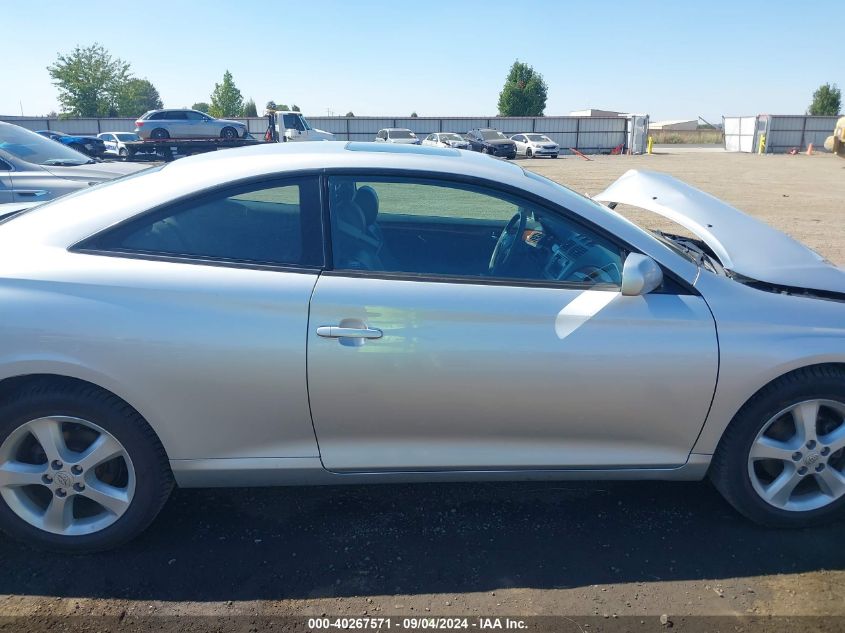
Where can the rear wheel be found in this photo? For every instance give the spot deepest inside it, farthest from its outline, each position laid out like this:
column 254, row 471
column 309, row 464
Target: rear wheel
column 229, row 133
column 781, row 461
column 159, row 133
column 80, row 470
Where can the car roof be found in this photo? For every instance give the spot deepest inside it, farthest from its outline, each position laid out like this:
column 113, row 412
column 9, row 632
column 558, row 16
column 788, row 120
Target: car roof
column 60, row 223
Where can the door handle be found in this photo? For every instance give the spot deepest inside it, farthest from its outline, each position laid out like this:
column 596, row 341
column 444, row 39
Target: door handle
column 335, row 331
column 30, row 193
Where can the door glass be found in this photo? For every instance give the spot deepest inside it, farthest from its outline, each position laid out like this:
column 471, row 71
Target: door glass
column 276, row 223
column 427, row 227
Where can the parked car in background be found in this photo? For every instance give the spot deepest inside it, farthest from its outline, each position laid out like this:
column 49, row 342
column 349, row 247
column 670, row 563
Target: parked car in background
column 115, row 144
column 89, row 145
column 531, row 145
column 34, row 168
column 186, row 123
column 155, row 331
column 490, row 141
column 400, row 135
column 446, row 139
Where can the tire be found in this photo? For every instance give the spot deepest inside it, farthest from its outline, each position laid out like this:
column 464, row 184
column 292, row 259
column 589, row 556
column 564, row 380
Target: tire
column 529, row 153
column 159, row 133
column 123, row 153
column 554, row 155
column 229, row 133
column 772, row 418
column 141, row 463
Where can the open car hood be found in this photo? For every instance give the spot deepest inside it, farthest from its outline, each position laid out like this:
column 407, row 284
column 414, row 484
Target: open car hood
column 743, row 244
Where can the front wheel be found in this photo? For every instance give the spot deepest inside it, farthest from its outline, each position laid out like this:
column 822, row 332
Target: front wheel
column 229, row 133
column 781, row 462
column 123, row 153
column 80, row 470
column 529, row 153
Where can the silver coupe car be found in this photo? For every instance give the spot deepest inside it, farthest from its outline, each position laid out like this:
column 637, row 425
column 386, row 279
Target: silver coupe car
column 324, row 313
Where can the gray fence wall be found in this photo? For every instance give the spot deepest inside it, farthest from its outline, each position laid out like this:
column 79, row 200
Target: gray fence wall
column 783, row 132
column 590, row 135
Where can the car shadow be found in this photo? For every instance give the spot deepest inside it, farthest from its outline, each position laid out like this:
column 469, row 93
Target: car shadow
column 282, row 543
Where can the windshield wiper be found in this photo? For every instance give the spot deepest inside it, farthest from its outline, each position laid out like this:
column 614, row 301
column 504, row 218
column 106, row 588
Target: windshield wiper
column 62, row 162
column 695, row 252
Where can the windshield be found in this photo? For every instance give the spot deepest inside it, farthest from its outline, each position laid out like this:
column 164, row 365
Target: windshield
column 491, row 135
column 29, row 146
column 401, row 134
column 128, row 136
column 538, row 138
column 450, row 137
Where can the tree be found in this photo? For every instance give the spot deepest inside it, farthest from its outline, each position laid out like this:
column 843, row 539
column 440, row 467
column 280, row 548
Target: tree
column 350, row 114
column 226, row 99
column 524, row 93
column 137, row 96
column 202, row 106
column 827, row 101
column 249, row 108
column 89, row 80
column 414, row 115
column 294, row 108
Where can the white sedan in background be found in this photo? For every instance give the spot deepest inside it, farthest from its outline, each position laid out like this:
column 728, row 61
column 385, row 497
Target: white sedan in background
column 446, row 139
column 115, row 143
column 531, row 145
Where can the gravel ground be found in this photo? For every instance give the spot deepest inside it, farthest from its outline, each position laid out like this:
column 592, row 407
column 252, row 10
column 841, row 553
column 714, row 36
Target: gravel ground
column 591, row 551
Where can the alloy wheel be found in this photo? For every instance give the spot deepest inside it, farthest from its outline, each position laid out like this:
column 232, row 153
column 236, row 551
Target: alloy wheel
column 797, row 460
column 66, row 475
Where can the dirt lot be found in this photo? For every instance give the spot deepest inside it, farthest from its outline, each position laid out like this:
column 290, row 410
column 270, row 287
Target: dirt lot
column 579, row 549
column 801, row 195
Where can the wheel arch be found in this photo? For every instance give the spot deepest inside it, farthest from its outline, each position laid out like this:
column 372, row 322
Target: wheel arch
column 13, row 384
column 713, row 432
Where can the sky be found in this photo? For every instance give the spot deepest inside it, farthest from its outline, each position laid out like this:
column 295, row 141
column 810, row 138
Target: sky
column 672, row 60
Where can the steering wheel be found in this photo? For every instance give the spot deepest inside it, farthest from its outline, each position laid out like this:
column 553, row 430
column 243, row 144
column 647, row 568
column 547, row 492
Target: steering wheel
column 510, row 241
column 595, row 275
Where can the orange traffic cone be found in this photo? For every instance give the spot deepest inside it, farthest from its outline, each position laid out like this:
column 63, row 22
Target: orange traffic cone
column 810, row 149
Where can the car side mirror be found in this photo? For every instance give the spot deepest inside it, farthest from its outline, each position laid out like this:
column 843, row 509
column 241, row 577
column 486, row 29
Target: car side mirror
column 640, row 275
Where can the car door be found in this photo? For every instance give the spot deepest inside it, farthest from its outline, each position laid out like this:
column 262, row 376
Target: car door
column 195, row 125
column 5, row 182
column 110, row 143
column 212, row 308
column 421, row 358
column 520, row 141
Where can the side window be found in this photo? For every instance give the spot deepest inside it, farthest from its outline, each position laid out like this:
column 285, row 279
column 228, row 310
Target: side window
column 429, row 227
column 293, row 122
column 158, row 116
column 194, row 116
column 268, row 223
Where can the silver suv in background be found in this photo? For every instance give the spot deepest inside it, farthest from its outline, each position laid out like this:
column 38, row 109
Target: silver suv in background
column 185, row 123
column 35, row 169
column 400, row 135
